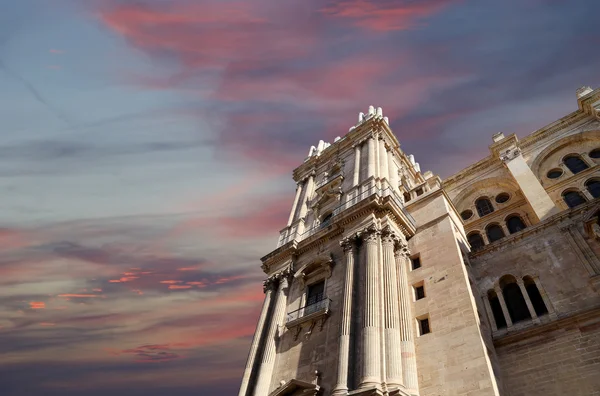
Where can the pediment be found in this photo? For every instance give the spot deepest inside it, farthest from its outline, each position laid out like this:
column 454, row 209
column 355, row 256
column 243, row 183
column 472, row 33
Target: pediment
column 297, row 387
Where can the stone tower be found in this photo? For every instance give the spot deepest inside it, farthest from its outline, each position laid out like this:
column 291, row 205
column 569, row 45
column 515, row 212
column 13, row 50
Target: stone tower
column 364, row 295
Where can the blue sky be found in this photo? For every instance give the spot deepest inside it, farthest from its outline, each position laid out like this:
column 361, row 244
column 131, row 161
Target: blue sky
column 146, row 152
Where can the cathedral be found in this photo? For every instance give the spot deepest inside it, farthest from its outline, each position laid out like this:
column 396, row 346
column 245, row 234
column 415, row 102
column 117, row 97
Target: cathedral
column 388, row 280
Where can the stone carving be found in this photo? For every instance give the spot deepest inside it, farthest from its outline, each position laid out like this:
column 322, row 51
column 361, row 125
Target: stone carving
column 370, row 234
column 510, row 154
column 347, row 244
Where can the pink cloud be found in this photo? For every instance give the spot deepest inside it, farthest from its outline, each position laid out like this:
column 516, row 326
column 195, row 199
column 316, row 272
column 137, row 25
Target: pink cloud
column 37, row 305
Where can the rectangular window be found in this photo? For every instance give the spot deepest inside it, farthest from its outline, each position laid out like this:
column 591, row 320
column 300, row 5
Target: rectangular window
column 419, row 191
column 424, row 326
column 419, row 292
column 416, row 262
column 315, row 293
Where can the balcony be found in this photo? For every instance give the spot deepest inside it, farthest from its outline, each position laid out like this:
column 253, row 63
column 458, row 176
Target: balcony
column 310, row 312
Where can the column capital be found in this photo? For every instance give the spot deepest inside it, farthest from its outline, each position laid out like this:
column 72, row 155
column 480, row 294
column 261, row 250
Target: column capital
column 370, row 234
column 389, row 236
column 348, row 244
column 269, row 284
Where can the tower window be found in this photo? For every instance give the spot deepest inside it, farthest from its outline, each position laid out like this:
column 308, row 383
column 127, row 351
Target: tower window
column 424, row 326
column 593, row 186
column 515, row 224
column 515, row 302
column 406, row 197
column 575, row 163
column 573, row 198
column 534, row 295
column 419, row 292
column 476, row 241
column 494, row 232
column 416, row 262
column 466, row 214
column 484, row 206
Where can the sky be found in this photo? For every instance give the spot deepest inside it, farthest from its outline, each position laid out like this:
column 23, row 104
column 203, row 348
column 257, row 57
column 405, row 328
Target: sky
column 147, row 146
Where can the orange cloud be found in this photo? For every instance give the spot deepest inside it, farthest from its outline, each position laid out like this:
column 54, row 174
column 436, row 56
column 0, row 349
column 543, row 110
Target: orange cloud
column 171, row 282
column 47, row 324
column 179, row 287
column 37, row 305
column 79, row 295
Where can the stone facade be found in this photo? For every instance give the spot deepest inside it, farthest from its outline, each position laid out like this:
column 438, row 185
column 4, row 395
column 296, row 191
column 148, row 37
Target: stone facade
column 389, row 281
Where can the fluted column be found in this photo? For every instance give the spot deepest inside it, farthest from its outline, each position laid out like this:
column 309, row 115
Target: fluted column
column 260, row 329
column 371, row 364
column 295, row 204
column 356, row 165
column 265, row 372
column 391, row 318
column 407, row 339
column 341, row 387
column 306, row 196
column 383, row 161
column 371, row 156
column 534, row 316
column 392, row 171
column 500, row 295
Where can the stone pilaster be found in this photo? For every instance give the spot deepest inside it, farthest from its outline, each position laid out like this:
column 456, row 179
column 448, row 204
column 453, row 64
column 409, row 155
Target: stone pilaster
column 308, row 190
column 407, row 338
column 392, row 171
column 265, row 372
column 383, row 161
column 341, row 387
column 505, row 312
column 295, row 204
column 356, row 179
column 391, row 319
column 371, row 362
column 269, row 286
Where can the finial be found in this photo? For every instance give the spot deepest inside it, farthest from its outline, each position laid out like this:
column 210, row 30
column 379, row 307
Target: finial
column 387, row 121
column 379, row 112
column 371, row 110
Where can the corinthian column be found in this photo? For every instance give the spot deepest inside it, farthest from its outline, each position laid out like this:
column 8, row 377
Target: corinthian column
column 391, row 319
column 260, row 329
column 341, row 387
column 267, row 364
column 356, row 165
column 371, row 364
column 295, row 205
column 371, row 156
column 407, row 339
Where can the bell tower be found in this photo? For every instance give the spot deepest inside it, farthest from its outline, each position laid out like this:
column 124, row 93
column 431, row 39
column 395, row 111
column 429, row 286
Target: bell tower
column 344, row 310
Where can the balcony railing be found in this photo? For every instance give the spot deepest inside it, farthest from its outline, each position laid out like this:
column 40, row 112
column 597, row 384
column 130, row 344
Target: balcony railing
column 372, row 191
column 321, row 306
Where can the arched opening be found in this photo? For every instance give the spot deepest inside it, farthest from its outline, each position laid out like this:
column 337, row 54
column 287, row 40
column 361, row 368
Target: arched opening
column 406, row 197
column 535, row 296
column 515, row 224
column 515, row 302
column 496, row 309
column 476, row 241
column 573, row 198
column 575, row 163
column 593, row 186
column 484, row 206
column 494, row 232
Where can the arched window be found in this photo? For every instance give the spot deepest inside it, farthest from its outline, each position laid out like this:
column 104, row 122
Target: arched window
column 534, row 295
column 494, row 232
column 484, row 206
column 515, row 303
column 575, row 163
column 515, row 224
column 593, row 186
column 475, row 240
column 573, row 198
column 496, row 309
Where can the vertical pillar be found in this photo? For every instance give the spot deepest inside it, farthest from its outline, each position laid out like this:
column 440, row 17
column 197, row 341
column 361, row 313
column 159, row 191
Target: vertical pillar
column 383, row 161
column 371, row 156
column 534, row 316
column 371, row 364
column 356, row 165
column 549, row 307
column 500, row 295
column 391, row 318
column 341, row 387
column 490, row 313
column 392, row 171
column 260, row 329
column 307, row 194
column 295, row 204
column 407, row 339
column 263, row 381
column 543, row 206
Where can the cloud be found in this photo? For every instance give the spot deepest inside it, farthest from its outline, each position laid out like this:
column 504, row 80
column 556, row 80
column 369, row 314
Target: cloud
column 37, row 305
